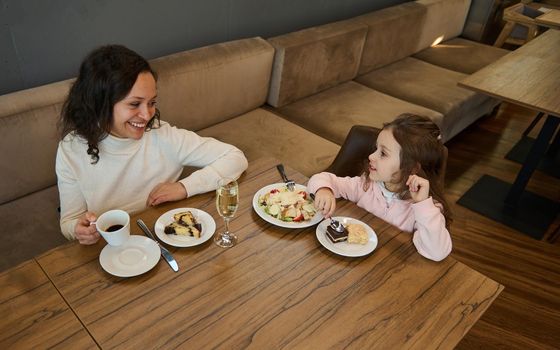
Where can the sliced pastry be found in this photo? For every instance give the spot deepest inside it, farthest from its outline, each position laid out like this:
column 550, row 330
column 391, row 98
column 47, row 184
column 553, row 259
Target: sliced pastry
column 357, row 234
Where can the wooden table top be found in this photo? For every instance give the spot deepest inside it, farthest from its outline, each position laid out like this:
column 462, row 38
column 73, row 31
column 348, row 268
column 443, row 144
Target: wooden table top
column 528, row 76
column 34, row 315
column 278, row 288
column 550, row 19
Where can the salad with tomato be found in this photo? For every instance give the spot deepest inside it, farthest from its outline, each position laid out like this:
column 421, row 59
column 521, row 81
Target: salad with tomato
column 287, row 205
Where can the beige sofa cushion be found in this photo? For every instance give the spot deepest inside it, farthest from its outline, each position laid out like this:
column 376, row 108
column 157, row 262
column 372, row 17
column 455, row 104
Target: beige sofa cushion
column 205, row 86
column 261, row 133
column 445, row 20
column 29, row 227
column 315, row 59
column 333, row 112
column 392, row 34
column 29, row 138
column 402, row 30
column 433, row 87
column 461, row 55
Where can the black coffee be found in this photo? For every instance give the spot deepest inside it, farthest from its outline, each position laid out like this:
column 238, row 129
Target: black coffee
column 114, row 228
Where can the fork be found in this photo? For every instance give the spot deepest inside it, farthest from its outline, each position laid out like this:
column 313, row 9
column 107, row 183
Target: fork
column 289, row 183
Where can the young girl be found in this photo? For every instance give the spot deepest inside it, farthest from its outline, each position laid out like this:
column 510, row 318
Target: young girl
column 401, row 184
column 107, row 159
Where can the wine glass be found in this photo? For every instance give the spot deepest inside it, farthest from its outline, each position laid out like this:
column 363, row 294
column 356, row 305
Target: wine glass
column 227, row 201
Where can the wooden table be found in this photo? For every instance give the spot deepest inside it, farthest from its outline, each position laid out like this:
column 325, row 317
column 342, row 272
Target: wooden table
column 34, row 315
column 278, row 288
column 549, row 19
column 529, row 77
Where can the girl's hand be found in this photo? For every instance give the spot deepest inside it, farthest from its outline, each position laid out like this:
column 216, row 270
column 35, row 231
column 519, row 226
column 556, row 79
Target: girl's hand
column 325, row 201
column 84, row 232
column 419, row 188
column 166, row 192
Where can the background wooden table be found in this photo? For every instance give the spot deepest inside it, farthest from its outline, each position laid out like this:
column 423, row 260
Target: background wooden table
column 550, row 19
column 34, row 315
column 528, row 77
column 278, row 288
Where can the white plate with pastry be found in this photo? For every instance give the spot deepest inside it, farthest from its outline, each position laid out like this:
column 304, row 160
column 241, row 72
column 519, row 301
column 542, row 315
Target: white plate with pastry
column 361, row 240
column 137, row 255
column 185, row 227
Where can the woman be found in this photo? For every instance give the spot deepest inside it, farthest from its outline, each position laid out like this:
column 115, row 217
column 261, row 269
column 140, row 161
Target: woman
column 115, row 152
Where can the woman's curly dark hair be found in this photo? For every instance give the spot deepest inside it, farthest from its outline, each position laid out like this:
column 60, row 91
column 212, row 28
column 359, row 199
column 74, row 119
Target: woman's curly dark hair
column 106, row 77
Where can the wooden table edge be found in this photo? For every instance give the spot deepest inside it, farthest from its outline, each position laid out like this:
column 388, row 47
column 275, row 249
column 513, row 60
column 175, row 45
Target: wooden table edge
column 504, row 99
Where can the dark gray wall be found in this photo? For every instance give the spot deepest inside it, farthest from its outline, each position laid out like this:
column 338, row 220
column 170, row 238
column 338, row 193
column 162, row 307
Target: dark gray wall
column 43, row 41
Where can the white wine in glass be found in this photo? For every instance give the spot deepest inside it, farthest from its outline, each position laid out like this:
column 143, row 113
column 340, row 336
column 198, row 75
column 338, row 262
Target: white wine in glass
column 227, row 201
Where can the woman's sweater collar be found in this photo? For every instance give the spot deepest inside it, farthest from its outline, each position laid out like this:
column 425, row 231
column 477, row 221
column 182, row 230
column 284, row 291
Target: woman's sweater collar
column 117, row 145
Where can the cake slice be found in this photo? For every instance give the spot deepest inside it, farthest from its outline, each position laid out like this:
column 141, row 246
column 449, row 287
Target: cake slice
column 185, row 218
column 175, row 228
column 184, row 224
column 336, row 236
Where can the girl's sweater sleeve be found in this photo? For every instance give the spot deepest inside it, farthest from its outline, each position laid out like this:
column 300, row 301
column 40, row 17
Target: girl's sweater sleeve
column 346, row 187
column 431, row 237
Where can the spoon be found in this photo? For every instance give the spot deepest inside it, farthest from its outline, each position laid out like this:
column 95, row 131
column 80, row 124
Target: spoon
column 336, row 225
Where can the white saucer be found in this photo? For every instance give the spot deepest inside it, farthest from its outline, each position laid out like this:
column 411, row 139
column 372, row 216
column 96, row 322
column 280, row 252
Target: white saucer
column 202, row 217
column 344, row 248
column 137, row 255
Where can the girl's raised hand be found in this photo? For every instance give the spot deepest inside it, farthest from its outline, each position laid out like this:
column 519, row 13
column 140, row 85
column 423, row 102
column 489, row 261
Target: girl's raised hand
column 419, row 188
column 85, row 232
column 325, row 201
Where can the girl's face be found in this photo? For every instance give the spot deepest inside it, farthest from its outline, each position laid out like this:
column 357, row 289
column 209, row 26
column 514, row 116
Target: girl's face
column 385, row 162
column 132, row 113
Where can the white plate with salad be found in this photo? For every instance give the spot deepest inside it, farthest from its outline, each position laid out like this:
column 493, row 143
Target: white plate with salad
column 282, row 207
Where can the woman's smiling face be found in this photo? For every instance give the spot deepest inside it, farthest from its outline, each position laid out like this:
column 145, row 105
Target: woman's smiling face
column 132, row 113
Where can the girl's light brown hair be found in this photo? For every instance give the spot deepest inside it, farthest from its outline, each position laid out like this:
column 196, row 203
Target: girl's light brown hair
column 422, row 153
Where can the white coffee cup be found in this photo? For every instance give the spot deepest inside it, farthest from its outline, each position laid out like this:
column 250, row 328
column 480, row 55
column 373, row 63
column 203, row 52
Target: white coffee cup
column 114, row 226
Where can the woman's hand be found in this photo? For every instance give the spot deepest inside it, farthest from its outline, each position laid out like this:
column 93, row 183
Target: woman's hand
column 85, row 232
column 166, row 192
column 325, row 201
column 419, row 188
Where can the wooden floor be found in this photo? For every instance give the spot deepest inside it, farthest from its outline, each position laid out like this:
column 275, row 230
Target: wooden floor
column 527, row 313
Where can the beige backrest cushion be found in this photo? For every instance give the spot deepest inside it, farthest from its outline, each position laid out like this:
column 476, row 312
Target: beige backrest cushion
column 201, row 87
column 445, row 19
column 393, row 34
column 29, row 138
column 315, row 59
column 403, row 30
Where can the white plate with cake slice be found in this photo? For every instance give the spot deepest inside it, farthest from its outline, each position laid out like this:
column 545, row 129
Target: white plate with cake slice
column 185, row 237
column 343, row 247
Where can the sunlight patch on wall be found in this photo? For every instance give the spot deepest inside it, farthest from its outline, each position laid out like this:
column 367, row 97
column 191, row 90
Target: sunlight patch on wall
column 437, row 41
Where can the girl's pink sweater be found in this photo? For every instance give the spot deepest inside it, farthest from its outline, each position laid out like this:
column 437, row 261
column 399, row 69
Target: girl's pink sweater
column 424, row 219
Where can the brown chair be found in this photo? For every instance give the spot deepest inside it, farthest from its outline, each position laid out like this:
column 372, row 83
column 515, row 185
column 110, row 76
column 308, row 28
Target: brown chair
column 520, row 26
column 352, row 158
